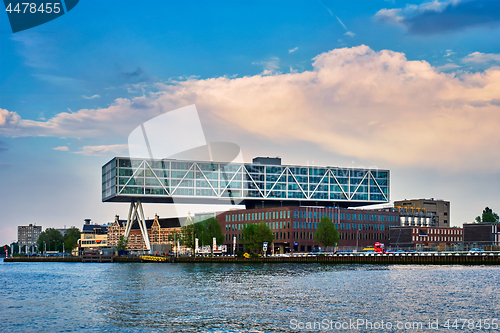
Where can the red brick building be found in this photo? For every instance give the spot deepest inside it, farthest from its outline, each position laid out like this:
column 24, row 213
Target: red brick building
column 419, row 238
column 160, row 231
column 294, row 226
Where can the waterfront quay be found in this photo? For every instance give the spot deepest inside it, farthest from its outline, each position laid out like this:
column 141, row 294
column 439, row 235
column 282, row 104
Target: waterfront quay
column 383, row 259
column 423, row 259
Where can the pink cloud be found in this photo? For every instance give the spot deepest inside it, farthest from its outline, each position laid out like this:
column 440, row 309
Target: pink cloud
column 375, row 106
column 102, row 150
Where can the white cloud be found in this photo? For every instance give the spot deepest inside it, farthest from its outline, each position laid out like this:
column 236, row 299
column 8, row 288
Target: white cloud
column 61, row 148
column 59, row 80
column 270, row 67
column 398, row 15
column 377, row 107
column 91, row 97
column 478, row 57
column 449, row 53
column 350, row 33
column 37, row 49
column 447, row 67
column 293, row 50
column 8, row 118
column 441, row 16
column 102, row 150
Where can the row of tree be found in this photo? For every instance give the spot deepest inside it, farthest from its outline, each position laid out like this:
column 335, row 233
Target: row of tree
column 52, row 240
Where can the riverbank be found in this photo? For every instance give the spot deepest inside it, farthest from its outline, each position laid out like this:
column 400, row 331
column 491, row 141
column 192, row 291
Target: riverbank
column 429, row 259
column 457, row 259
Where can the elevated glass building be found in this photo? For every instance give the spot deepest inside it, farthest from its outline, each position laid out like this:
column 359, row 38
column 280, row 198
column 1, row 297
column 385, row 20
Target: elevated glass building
column 263, row 183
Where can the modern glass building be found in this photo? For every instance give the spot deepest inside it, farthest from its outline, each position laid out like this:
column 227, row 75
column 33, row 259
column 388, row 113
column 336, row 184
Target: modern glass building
column 257, row 184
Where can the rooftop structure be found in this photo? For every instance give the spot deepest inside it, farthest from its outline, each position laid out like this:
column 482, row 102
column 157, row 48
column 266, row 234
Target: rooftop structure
column 417, row 207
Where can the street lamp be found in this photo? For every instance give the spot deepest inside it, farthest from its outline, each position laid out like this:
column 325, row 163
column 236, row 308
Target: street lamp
column 357, row 239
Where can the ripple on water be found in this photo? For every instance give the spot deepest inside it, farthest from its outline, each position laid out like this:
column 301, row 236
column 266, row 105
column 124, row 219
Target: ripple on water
column 236, row 297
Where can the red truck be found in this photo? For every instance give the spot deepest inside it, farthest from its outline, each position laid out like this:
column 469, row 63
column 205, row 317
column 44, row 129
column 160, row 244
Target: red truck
column 379, row 248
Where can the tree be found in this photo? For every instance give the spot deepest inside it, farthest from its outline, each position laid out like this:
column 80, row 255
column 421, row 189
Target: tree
column 122, row 243
column 15, row 248
column 255, row 235
column 212, row 229
column 6, row 246
column 326, row 234
column 488, row 216
column 52, row 238
column 71, row 238
column 188, row 236
column 205, row 231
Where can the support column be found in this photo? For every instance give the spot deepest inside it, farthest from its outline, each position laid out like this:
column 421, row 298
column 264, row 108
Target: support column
column 144, row 228
column 130, row 219
column 137, row 213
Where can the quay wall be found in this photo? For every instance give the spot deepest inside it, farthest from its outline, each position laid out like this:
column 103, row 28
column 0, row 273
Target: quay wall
column 453, row 259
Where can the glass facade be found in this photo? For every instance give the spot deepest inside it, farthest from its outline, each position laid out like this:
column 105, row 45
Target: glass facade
column 125, row 177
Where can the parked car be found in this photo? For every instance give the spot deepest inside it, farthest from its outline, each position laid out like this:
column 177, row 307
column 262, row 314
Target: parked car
column 316, row 252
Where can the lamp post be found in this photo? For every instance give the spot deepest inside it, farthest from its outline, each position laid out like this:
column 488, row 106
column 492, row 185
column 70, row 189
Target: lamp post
column 357, row 239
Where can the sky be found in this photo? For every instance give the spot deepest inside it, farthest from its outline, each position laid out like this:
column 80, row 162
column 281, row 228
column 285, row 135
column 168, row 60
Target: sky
column 409, row 86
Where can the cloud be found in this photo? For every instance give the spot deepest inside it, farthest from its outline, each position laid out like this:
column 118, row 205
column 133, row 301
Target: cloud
column 478, row 57
column 137, row 76
column 293, row 50
column 61, row 148
column 377, row 107
column 3, row 149
column 117, row 120
column 8, row 118
column 350, row 33
column 447, row 67
column 270, row 67
column 91, row 97
column 449, row 53
column 37, row 49
column 438, row 17
column 62, row 81
column 102, row 150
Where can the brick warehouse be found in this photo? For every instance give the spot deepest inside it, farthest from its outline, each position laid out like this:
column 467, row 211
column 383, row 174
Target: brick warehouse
column 421, row 238
column 160, row 231
column 294, row 227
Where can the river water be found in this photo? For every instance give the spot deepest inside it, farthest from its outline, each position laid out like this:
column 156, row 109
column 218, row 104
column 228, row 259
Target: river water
column 154, row 297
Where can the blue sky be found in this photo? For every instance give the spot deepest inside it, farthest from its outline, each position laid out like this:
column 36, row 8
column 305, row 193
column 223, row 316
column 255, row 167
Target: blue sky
column 428, row 71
